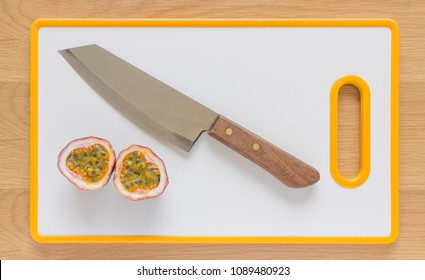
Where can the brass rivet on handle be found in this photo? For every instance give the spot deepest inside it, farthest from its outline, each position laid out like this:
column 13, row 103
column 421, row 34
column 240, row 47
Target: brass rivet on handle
column 229, row 131
column 256, row 146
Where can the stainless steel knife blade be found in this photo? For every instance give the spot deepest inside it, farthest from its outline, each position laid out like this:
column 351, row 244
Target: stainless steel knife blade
column 144, row 99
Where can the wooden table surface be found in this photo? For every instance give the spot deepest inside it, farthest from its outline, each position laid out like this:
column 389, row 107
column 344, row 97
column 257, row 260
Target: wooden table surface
column 15, row 21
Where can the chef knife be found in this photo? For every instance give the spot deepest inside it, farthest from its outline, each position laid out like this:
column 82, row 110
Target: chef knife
column 176, row 117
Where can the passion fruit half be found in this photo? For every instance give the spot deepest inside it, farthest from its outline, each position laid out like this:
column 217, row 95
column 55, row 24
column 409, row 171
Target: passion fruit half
column 140, row 173
column 87, row 162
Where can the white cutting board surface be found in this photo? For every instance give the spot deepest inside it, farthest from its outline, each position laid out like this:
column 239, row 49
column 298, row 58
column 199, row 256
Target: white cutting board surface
column 275, row 81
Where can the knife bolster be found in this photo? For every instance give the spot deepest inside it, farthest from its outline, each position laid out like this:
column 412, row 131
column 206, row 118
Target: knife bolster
column 288, row 169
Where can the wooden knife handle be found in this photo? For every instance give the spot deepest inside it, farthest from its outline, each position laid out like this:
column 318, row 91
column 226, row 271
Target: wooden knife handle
column 285, row 167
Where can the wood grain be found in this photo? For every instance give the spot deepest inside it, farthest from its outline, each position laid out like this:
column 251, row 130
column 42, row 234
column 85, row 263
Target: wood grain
column 349, row 131
column 285, row 167
column 15, row 21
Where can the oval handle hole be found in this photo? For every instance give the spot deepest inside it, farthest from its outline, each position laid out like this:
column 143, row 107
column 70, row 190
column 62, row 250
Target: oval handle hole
column 349, row 131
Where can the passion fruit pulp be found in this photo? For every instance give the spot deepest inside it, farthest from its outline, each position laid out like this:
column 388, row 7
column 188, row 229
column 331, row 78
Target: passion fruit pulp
column 87, row 162
column 140, row 173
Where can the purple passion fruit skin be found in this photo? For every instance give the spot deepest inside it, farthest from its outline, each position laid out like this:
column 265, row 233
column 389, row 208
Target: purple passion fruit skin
column 140, row 173
column 87, row 162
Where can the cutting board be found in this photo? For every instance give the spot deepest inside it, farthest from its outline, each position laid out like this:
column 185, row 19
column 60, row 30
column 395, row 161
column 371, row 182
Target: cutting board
column 278, row 78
